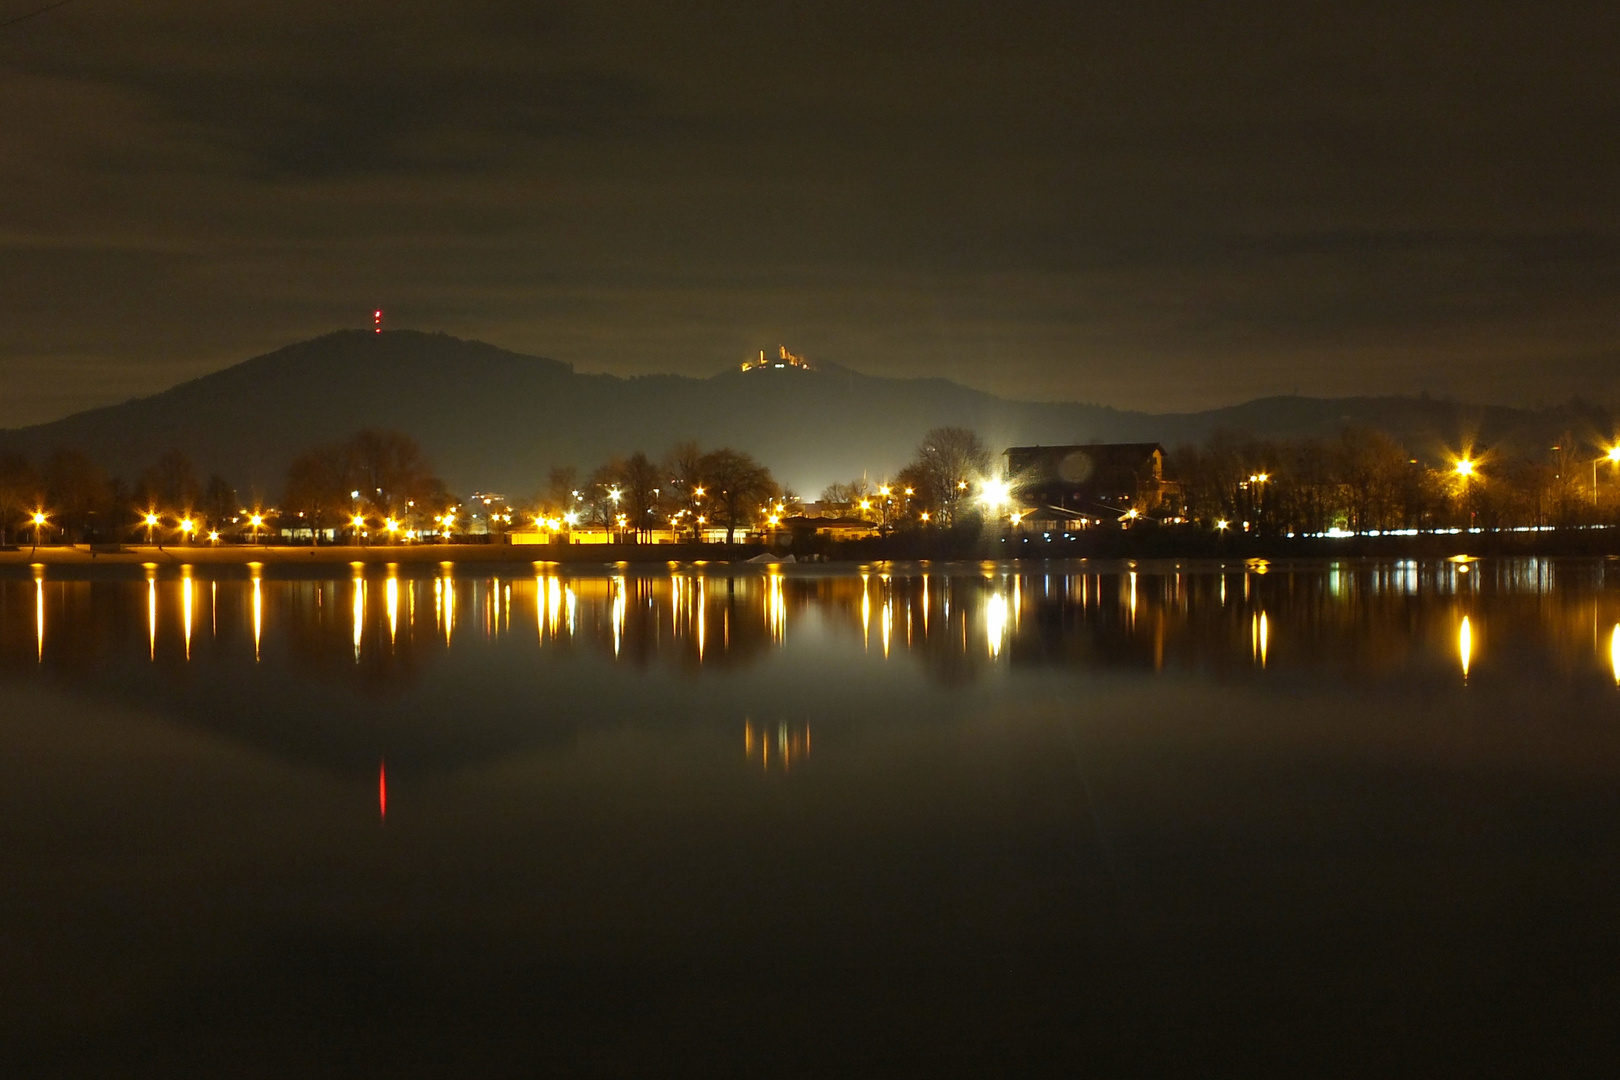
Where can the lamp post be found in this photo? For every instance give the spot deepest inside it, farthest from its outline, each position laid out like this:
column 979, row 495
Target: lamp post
column 151, row 522
column 256, row 520
column 38, row 521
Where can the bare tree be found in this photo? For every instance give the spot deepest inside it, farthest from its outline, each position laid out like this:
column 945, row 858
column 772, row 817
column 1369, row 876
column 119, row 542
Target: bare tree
column 20, row 492
column 738, row 486
column 317, row 487
column 951, row 460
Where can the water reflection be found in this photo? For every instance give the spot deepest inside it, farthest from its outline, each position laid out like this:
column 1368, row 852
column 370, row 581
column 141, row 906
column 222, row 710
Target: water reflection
column 258, row 609
column 39, row 614
column 954, row 623
column 776, row 746
column 1465, row 645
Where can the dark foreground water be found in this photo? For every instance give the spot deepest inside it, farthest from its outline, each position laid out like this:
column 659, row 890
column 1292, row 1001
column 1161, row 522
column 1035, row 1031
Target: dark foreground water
column 1328, row 819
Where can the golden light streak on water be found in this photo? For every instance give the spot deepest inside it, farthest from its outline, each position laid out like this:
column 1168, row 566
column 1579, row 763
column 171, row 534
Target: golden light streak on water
column 185, row 606
column 1465, row 645
column 39, row 615
column 619, row 609
column 702, row 609
column 925, row 605
column 887, row 624
column 258, row 609
column 213, row 608
column 1614, row 653
column 506, row 603
column 391, row 598
column 359, row 612
column 1259, row 633
column 995, row 623
column 151, row 614
column 866, row 613
column 776, row 606
column 447, row 588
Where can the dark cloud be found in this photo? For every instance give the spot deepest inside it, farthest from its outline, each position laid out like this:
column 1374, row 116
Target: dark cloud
column 1149, row 204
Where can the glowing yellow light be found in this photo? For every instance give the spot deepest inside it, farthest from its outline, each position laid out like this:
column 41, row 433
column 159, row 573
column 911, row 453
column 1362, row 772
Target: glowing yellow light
column 391, row 525
column 213, row 536
column 924, row 515
column 357, row 521
column 1614, row 454
column 38, row 518
column 697, row 491
column 150, row 520
column 995, row 623
column 256, row 520
column 1223, row 525
column 1465, row 645
column 995, row 493
column 188, row 526
column 1464, row 467
column 1133, row 513
column 866, row 504
column 884, row 490
column 1614, row 653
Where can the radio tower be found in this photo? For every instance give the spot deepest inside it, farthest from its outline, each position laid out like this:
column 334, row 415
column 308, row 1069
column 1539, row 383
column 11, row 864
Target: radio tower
column 376, row 321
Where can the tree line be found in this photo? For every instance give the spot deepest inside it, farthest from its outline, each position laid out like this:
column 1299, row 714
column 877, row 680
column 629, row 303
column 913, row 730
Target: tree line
column 1365, row 480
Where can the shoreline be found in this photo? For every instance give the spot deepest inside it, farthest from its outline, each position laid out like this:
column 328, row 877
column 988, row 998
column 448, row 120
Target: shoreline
column 1122, row 547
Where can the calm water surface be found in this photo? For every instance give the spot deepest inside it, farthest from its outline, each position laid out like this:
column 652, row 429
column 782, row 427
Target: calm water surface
column 903, row 820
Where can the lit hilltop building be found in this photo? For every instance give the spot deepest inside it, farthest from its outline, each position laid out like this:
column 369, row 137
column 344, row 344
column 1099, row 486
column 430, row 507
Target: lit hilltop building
column 784, row 360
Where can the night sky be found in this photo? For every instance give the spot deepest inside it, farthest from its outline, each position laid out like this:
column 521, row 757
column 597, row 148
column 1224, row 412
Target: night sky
column 1152, row 205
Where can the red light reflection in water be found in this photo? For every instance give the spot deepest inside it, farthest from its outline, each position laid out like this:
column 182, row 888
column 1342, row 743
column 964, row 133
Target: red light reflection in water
column 382, row 791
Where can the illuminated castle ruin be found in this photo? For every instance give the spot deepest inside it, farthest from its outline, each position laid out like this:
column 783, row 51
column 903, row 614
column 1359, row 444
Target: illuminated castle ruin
column 784, row 360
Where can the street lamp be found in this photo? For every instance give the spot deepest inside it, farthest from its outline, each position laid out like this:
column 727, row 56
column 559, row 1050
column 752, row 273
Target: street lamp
column 356, row 523
column 256, row 520
column 151, row 522
column 1612, row 455
column 38, row 521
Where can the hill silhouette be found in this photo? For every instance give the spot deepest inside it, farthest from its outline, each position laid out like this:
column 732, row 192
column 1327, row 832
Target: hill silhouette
column 493, row 419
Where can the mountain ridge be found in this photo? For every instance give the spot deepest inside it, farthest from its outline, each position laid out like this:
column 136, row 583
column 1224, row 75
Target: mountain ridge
column 497, row 419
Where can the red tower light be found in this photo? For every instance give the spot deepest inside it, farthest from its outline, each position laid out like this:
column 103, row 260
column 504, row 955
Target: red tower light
column 376, row 321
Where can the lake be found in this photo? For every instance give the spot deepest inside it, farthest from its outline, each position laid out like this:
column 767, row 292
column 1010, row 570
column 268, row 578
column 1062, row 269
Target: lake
column 1322, row 818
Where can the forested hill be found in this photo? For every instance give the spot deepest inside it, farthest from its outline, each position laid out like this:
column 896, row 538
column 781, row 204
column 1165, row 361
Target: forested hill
column 498, row 420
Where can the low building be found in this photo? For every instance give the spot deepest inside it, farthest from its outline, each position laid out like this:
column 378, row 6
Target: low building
column 1088, row 483
column 825, row 528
